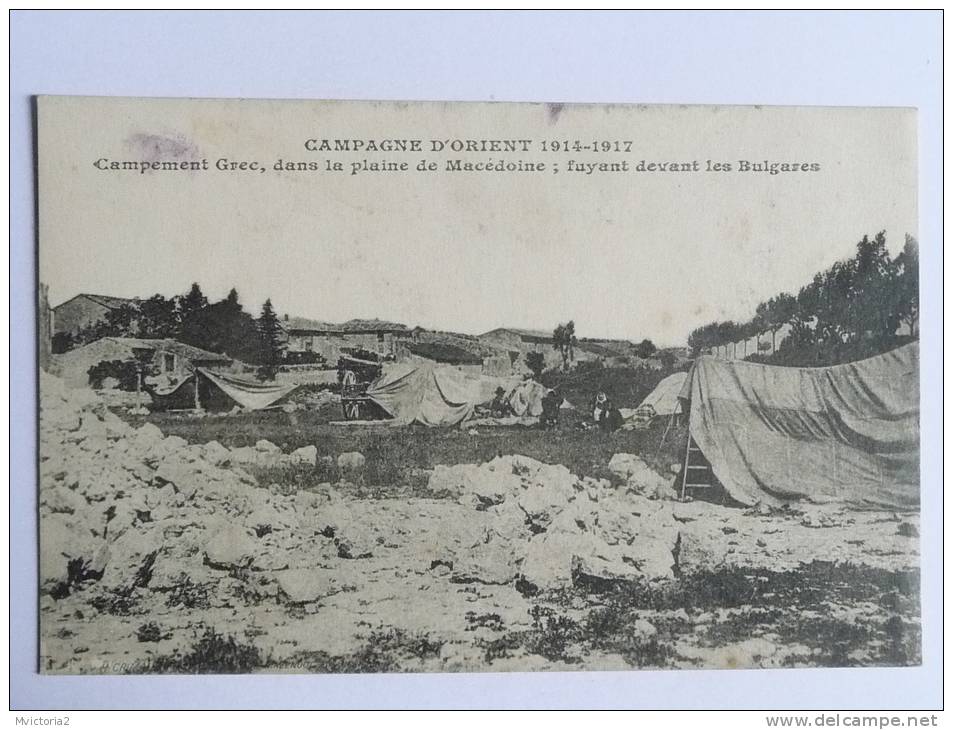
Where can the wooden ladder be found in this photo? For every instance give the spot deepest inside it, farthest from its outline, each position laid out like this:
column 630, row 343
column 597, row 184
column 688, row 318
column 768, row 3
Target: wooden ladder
column 698, row 471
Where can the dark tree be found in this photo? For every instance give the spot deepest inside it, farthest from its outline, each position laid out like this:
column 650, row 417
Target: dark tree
column 645, row 349
column 536, row 362
column 271, row 342
column 564, row 340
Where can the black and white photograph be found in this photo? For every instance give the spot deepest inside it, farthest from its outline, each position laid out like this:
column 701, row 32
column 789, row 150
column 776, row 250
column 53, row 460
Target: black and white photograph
column 386, row 387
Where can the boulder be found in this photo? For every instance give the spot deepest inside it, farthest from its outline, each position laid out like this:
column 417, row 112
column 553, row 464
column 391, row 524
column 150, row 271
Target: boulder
column 548, row 559
column 305, row 455
column 231, row 547
column 185, row 478
column 701, row 547
column 351, row 462
column 69, row 552
column 214, row 453
column 132, row 556
column 307, row 585
column 61, row 499
column 541, row 502
column 265, row 446
column 265, row 518
column 491, row 564
column 640, row 477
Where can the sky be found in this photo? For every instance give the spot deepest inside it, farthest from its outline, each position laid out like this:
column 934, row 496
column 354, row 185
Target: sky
column 625, row 254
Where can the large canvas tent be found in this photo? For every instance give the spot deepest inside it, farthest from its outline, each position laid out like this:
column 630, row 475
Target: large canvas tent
column 848, row 433
column 422, row 392
column 219, row 392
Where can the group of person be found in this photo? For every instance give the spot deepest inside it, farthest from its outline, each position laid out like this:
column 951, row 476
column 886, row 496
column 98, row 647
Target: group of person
column 501, row 407
column 605, row 416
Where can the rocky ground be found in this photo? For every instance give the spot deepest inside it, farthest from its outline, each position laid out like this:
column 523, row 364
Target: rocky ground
column 160, row 556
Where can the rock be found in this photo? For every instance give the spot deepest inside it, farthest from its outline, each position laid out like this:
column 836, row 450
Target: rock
column 491, row 564
column 266, row 447
column 640, row 478
column 169, row 446
column 132, row 556
column 643, row 629
column 482, row 485
column 69, row 553
column 547, row 562
column 351, row 462
column 265, row 518
column 307, row 585
column 305, row 455
column 541, row 503
column 700, row 548
column 185, row 478
column 215, row 453
column 61, row 499
column 231, row 547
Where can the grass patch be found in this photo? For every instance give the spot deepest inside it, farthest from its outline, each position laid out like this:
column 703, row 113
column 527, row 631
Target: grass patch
column 400, row 457
column 213, row 653
column 382, row 651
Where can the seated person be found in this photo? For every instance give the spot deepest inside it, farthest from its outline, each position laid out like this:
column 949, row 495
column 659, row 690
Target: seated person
column 500, row 407
column 550, row 414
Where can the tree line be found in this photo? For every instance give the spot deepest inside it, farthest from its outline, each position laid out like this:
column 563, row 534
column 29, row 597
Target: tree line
column 857, row 308
column 223, row 327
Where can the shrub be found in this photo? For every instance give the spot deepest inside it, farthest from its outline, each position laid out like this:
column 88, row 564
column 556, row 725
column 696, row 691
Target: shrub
column 213, row 653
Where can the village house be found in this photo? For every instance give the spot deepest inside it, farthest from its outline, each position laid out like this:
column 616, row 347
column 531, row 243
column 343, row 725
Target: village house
column 163, row 358
column 330, row 341
column 84, row 310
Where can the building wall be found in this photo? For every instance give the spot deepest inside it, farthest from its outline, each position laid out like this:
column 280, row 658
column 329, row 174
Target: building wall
column 73, row 366
column 331, row 345
column 77, row 313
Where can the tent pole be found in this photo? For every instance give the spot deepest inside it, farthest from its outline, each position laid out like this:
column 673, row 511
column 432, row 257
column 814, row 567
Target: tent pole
column 664, row 434
column 196, row 376
column 688, row 451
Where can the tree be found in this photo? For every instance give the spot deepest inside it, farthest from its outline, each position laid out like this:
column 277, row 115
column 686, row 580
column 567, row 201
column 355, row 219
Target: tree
column 536, row 363
column 193, row 302
column 907, row 300
column 564, row 340
column 158, row 317
column 271, row 347
column 773, row 314
column 645, row 349
column 223, row 327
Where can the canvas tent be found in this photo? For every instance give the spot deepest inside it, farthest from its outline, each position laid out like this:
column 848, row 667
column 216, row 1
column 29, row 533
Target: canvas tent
column 848, row 433
column 219, row 392
column 422, row 392
column 662, row 401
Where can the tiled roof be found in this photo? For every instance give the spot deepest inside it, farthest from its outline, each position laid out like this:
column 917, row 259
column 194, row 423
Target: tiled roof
column 352, row 325
column 106, row 301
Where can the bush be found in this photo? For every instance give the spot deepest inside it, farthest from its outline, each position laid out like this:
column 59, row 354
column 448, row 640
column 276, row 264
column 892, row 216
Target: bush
column 126, row 372
column 214, row 653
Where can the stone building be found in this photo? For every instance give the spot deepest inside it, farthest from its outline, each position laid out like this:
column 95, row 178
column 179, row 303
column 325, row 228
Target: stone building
column 84, row 310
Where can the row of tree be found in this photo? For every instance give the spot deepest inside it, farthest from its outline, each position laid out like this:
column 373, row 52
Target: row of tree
column 859, row 307
column 222, row 327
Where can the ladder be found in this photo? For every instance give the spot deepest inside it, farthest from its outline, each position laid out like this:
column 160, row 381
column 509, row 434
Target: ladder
column 699, row 472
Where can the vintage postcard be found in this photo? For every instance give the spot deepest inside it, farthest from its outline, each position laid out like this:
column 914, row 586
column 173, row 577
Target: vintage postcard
column 461, row 387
